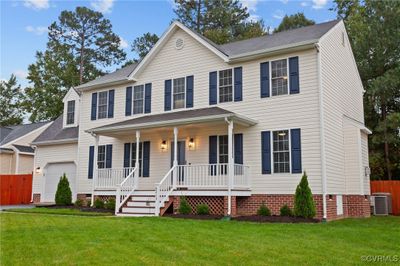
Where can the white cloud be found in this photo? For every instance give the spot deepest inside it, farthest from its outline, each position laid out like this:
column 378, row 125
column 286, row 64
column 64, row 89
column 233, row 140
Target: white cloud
column 103, row 6
column 278, row 14
column 21, row 74
column 318, row 4
column 39, row 30
column 250, row 4
column 285, row 1
column 123, row 43
column 304, row 4
column 37, row 4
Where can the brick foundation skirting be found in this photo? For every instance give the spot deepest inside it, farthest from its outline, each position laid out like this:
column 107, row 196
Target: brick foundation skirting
column 36, row 198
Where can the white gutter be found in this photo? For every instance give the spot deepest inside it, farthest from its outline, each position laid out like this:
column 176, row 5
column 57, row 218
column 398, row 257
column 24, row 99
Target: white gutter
column 322, row 132
column 55, row 142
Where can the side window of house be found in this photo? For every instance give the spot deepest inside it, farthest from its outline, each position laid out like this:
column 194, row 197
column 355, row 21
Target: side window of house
column 279, row 77
column 281, row 154
column 133, row 157
column 102, row 105
column 138, row 99
column 101, row 157
column 70, row 112
column 225, row 86
column 179, row 93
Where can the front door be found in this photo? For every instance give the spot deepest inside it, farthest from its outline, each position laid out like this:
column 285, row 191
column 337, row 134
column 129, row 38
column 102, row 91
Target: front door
column 181, row 158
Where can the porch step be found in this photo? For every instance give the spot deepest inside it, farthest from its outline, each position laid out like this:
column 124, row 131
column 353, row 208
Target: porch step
column 141, row 203
column 138, row 209
column 143, row 198
column 144, row 193
column 127, row 214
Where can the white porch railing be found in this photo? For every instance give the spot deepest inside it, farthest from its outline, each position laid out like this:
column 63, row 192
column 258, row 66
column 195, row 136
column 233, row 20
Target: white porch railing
column 125, row 189
column 164, row 189
column 109, row 178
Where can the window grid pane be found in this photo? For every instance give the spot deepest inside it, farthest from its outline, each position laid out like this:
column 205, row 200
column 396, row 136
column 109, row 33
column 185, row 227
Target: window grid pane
column 279, row 77
column 179, row 93
column 103, row 100
column 138, row 99
column 70, row 112
column 133, row 157
column 225, row 85
column 281, row 151
column 101, row 157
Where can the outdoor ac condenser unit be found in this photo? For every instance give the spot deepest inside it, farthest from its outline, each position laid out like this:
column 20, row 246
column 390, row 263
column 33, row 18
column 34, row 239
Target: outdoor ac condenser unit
column 380, row 205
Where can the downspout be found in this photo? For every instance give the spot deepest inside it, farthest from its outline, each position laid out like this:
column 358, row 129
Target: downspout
column 322, row 132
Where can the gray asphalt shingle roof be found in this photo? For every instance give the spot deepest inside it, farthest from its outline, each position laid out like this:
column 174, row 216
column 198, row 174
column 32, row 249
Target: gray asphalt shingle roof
column 56, row 132
column 23, row 148
column 267, row 42
column 8, row 134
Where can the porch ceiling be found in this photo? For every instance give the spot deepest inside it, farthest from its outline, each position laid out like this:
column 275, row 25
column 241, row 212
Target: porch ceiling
column 177, row 118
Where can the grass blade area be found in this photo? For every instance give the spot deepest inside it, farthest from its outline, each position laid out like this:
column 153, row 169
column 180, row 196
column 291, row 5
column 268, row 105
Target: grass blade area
column 60, row 211
column 52, row 239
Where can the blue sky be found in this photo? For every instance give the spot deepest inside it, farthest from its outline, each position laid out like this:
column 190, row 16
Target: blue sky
column 24, row 23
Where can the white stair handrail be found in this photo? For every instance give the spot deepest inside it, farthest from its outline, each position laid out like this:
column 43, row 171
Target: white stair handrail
column 125, row 190
column 164, row 189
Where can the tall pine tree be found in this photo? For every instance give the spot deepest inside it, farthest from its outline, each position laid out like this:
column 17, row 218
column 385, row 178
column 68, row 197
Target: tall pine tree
column 10, row 102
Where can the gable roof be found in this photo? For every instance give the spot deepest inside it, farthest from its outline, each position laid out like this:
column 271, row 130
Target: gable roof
column 23, row 148
column 11, row 133
column 55, row 133
column 228, row 52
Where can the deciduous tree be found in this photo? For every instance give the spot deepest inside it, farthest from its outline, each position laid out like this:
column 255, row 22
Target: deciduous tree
column 10, row 102
column 294, row 21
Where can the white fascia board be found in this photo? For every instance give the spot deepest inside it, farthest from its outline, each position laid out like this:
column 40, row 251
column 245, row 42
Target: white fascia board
column 55, row 142
column 106, row 84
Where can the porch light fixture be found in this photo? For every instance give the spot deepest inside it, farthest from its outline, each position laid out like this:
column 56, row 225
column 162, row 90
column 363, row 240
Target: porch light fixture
column 191, row 144
column 164, row 145
column 37, row 170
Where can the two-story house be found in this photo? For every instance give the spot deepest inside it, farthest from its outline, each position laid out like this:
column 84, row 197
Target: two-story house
column 231, row 126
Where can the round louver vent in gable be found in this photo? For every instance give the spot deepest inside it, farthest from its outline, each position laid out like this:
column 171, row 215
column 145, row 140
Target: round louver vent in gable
column 179, row 43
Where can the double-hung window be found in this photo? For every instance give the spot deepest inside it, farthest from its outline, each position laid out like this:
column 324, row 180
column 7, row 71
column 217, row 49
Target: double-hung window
column 102, row 105
column 225, row 86
column 101, row 157
column 138, row 99
column 223, row 153
column 70, row 112
column 279, row 77
column 281, row 151
column 178, row 93
column 133, row 157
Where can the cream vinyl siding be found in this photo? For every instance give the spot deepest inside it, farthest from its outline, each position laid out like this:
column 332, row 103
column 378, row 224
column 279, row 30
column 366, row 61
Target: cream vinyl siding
column 351, row 160
column 72, row 95
column 273, row 113
column 7, row 163
column 25, row 164
column 51, row 154
column 343, row 96
column 365, row 163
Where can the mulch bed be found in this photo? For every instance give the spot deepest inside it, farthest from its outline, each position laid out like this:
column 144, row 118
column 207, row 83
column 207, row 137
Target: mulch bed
column 195, row 216
column 275, row 219
column 83, row 209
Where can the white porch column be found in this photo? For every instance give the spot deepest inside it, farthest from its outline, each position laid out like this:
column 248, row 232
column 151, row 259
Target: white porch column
column 136, row 177
column 175, row 156
column 230, row 165
column 95, row 166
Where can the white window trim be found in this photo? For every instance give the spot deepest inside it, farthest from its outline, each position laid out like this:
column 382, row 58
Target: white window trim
column 105, row 156
column 74, row 111
column 233, row 85
column 272, row 151
column 288, row 77
column 133, row 99
column 172, row 93
column 98, row 104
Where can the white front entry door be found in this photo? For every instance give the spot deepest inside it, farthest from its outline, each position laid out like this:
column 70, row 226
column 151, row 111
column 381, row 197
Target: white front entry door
column 52, row 175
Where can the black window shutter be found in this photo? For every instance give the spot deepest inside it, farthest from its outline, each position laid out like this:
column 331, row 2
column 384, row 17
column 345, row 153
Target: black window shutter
column 111, row 103
column 238, row 143
column 294, row 75
column 128, row 101
column 147, row 98
column 213, row 88
column 189, row 91
column 295, row 137
column 266, row 152
column 108, row 156
column 167, row 95
column 264, row 79
column 213, row 153
column 146, row 159
column 238, row 84
column 127, row 154
column 91, row 162
column 93, row 114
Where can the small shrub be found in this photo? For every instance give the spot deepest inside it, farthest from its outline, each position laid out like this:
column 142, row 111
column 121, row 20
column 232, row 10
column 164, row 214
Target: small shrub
column 110, row 204
column 263, row 210
column 79, row 203
column 99, row 204
column 63, row 194
column 88, row 203
column 286, row 211
column 304, row 205
column 202, row 209
column 184, row 207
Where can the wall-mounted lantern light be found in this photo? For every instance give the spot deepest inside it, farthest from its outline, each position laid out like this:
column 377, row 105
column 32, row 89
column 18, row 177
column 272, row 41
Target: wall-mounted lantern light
column 37, row 170
column 192, row 144
column 164, row 145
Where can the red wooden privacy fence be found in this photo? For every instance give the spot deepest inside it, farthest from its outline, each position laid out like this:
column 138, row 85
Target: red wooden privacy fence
column 15, row 189
column 392, row 187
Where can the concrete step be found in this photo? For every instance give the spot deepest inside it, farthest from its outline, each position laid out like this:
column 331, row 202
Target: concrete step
column 137, row 209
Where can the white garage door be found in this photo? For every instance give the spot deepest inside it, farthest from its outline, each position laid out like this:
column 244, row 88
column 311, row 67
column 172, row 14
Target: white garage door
column 53, row 172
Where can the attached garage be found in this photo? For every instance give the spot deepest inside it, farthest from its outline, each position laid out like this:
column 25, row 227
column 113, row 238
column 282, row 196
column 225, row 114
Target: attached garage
column 52, row 174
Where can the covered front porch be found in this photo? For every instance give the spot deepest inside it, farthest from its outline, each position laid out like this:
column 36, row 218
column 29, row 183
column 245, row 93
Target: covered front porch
column 207, row 162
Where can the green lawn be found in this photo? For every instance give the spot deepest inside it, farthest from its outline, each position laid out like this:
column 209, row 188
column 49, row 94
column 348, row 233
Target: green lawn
column 42, row 239
column 60, row 211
